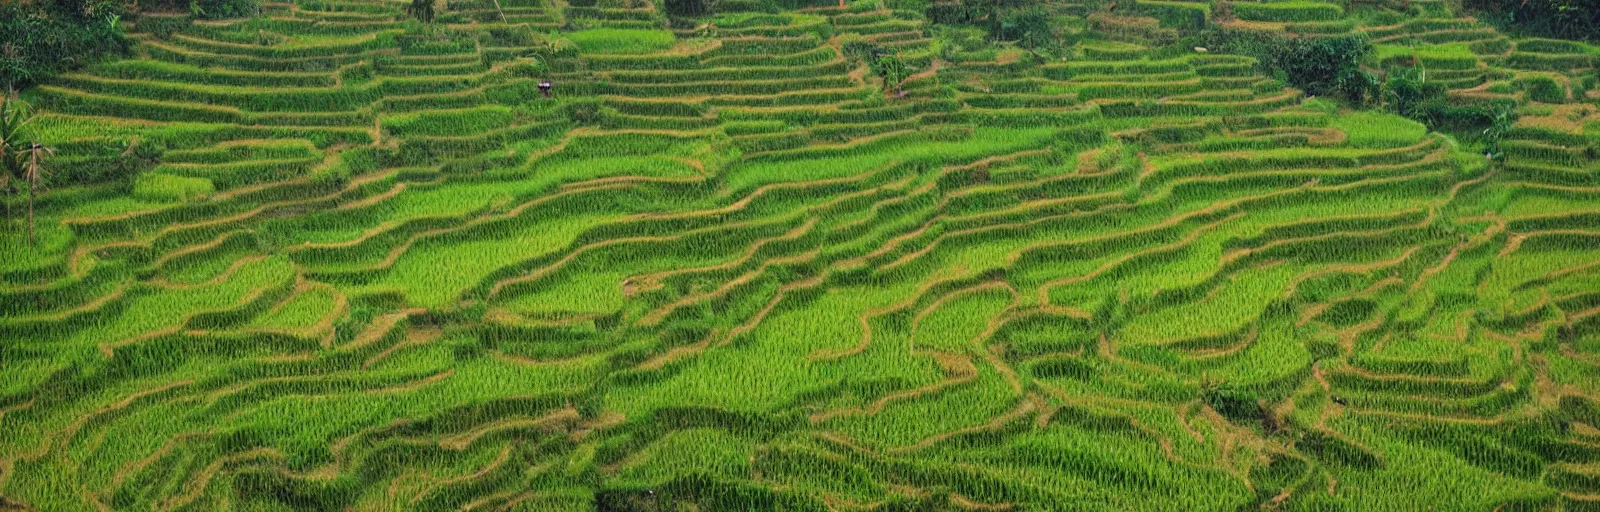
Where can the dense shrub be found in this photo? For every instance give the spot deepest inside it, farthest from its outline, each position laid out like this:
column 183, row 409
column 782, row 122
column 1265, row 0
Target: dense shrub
column 40, row 39
column 859, row 48
column 422, row 10
column 1329, row 66
column 1408, row 92
column 1030, row 27
column 1027, row 23
column 1566, row 19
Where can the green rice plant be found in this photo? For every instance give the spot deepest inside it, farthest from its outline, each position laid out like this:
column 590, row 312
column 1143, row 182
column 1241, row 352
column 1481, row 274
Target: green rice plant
column 732, row 88
column 612, row 119
column 448, row 122
column 754, row 47
column 300, row 310
column 1544, row 88
column 1433, row 57
column 322, row 46
column 1546, row 61
column 174, row 72
column 1288, row 11
column 79, row 102
column 242, row 150
column 236, row 174
column 622, row 41
column 1379, row 130
column 1070, row 70
column 329, row 62
column 732, row 73
column 1553, row 46
column 1321, row 27
column 331, row 258
column 166, row 188
column 1183, row 15
column 428, row 147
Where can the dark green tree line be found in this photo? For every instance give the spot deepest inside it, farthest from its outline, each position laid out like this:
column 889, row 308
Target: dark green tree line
column 1565, row 19
column 1026, row 23
column 41, row 38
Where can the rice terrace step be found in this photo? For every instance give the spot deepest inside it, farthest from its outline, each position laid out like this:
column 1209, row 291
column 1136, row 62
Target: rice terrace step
column 819, row 255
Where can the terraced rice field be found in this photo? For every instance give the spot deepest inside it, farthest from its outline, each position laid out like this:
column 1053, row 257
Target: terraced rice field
column 374, row 269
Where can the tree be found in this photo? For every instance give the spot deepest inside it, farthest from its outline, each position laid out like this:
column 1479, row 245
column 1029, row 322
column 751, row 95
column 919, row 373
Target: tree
column 1322, row 66
column 33, row 175
column 1579, row 17
column 1565, row 19
column 1023, row 21
column 893, row 70
column 1030, row 27
column 13, row 114
column 421, row 9
column 39, row 38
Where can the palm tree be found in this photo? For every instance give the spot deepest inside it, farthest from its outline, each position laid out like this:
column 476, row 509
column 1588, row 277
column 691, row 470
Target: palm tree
column 33, row 175
column 13, row 113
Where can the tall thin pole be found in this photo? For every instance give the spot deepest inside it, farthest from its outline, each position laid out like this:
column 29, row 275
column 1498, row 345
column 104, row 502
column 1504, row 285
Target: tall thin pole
column 32, row 241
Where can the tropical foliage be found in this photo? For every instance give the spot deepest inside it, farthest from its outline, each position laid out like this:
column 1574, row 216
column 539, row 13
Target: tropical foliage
column 41, row 38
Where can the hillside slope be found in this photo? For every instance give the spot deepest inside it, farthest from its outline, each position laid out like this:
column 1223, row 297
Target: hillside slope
column 330, row 258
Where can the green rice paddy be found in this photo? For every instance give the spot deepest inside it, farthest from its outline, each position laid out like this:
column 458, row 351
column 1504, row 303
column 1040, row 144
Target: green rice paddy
column 366, row 265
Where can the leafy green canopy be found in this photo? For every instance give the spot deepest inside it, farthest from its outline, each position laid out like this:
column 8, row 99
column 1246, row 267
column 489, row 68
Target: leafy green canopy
column 1026, row 23
column 39, row 39
column 422, row 10
column 1326, row 66
column 1566, row 19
